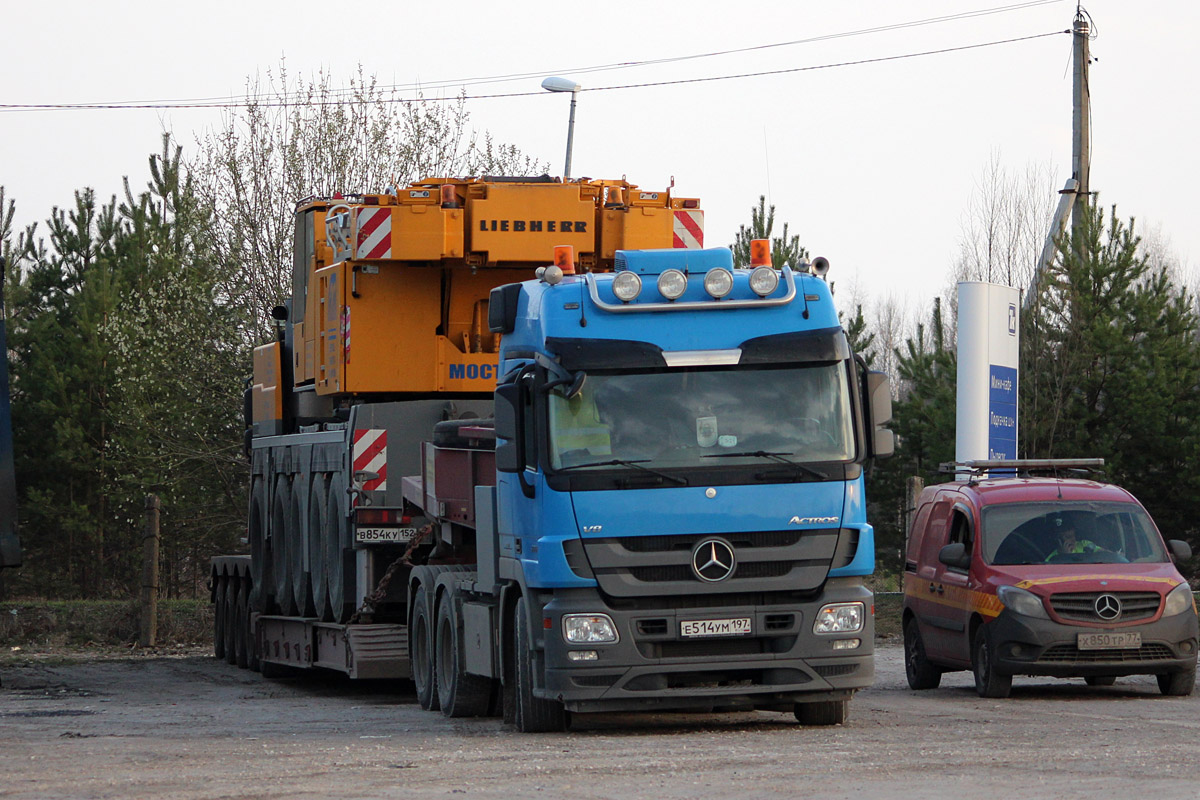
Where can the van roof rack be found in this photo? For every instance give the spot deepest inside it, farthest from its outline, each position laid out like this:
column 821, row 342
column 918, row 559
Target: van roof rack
column 1023, row 466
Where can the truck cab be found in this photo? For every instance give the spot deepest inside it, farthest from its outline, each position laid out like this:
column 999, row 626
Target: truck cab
column 1040, row 575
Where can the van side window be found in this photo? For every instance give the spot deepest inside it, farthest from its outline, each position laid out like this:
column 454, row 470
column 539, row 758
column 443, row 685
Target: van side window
column 960, row 532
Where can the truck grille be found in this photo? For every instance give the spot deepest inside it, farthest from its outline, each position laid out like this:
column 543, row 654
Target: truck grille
column 1081, row 606
column 1070, row 654
column 767, row 561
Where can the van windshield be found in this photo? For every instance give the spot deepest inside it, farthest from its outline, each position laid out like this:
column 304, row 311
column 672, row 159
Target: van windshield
column 1070, row 533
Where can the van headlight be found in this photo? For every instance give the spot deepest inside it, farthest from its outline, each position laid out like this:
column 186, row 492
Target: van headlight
column 840, row 618
column 589, row 629
column 1179, row 600
column 1019, row 601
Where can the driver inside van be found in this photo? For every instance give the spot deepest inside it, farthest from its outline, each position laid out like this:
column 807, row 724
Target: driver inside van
column 1064, row 532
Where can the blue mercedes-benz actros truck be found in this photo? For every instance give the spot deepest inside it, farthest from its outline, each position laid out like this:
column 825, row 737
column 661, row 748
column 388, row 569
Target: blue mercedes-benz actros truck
column 667, row 507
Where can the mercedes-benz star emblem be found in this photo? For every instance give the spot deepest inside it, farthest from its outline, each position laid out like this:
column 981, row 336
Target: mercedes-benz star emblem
column 1108, row 607
column 713, row 560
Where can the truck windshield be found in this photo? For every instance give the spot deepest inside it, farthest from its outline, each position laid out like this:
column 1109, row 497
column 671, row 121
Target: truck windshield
column 1070, row 533
column 675, row 418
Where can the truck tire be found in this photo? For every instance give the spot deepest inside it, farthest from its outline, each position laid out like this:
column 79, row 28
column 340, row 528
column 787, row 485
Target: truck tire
column 318, row 529
column 987, row 682
column 230, row 620
column 421, row 652
column 920, row 673
column 339, row 565
column 280, row 533
column 825, row 712
column 460, row 693
column 256, row 532
column 298, row 547
column 534, row 715
column 1177, row 684
column 241, row 614
column 219, row 617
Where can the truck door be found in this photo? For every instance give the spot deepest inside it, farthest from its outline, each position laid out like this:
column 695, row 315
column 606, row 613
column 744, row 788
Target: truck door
column 953, row 590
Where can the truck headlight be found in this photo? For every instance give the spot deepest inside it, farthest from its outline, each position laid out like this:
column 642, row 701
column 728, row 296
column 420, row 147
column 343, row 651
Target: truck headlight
column 1179, row 600
column 763, row 281
column 589, row 629
column 718, row 282
column 1019, row 601
column 627, row 286
column 840, row 618
column 672, row 284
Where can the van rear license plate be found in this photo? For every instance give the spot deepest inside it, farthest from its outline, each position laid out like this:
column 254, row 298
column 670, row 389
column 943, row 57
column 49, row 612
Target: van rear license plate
column 692, row 628
column 1109, row 641
column 377, row 534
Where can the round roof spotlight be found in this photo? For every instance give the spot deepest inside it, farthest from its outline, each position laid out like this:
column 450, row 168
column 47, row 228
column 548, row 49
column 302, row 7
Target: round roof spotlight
column 539, row 272
column 763, row 281
column 718, row 282
column 672, row 284
column 553, row 275
column 627, row 286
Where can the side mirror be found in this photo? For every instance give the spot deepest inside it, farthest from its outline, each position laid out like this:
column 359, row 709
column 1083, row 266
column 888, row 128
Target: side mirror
column 508, row 428
column 879, row 389
column 1180, row 550
column 955, row 555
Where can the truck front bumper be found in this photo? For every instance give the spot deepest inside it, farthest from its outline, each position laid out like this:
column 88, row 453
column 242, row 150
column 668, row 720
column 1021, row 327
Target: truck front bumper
column 1029, row 646
column 653, row 666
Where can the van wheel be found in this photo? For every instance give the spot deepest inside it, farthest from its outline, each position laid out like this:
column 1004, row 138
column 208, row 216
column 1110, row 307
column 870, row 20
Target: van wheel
column 827, row 712
column 920, row 673
column 1100, row 680
column 983, row 658
column 1178, row 684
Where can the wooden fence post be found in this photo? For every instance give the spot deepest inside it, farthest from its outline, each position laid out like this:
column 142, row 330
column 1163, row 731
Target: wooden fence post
column 149, row 616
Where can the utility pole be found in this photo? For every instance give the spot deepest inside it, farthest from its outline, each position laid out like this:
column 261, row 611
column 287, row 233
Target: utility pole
column 1081, row 153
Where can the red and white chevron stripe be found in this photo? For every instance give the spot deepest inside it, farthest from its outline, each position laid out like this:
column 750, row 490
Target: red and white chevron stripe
column 374, row 233
column 689, row 230
column 370, row 455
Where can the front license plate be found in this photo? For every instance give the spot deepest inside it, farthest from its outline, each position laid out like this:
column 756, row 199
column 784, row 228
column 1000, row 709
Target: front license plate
column 692, row 628
column 368, row 535
column 1109, row 641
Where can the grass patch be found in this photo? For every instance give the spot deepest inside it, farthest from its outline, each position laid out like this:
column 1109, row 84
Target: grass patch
column 55, row 625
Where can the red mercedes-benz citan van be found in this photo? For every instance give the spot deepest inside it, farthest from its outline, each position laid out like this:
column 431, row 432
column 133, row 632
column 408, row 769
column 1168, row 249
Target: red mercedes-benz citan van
column 1043, row 576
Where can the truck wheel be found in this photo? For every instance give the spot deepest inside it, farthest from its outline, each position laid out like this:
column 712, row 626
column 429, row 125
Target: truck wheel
column 421, row 653
column 230, row 631
column 280, row 533
column 460, row 693
column 260, row 568
column 534, row 715
column 241, row 612
column 318, row 529
column 339, row 571
column 1177, row 684
column 920, row 673
column 219, row 618
column 826, row 712
column 987, row 682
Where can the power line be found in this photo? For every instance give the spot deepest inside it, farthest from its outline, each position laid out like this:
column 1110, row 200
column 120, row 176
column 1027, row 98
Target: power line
column 408, row 101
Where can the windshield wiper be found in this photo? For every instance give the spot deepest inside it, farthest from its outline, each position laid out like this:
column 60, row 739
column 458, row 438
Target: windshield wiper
column 780, row 457
column 636, row 464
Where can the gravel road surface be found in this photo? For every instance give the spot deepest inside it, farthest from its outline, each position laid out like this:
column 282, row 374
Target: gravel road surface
column 194, row 727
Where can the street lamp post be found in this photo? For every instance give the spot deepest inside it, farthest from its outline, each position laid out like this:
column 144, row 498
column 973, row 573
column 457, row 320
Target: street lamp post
column 565, row 85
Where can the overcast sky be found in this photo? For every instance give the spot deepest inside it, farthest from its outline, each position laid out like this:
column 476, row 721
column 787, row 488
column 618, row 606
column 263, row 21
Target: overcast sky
column 871, row 164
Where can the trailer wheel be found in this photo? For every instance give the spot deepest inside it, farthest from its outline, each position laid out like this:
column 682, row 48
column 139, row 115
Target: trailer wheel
column 230, row 626
column 826, row 712
column 339, row 568
column 219, row 618
column 318, row 529
column 421, row 654
column 298, row 547
column 534, row 715
column 260, row 555
column 460, row 693
column 280, row 533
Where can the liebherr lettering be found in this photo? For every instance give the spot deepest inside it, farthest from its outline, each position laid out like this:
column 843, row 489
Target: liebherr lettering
column 533, row 225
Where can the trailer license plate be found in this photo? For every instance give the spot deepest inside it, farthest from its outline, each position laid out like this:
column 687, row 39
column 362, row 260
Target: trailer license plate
column 384, row 534
column 1109, row 641
column 691, row 628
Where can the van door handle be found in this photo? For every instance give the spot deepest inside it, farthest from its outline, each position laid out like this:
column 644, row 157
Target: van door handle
column 932, row 588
